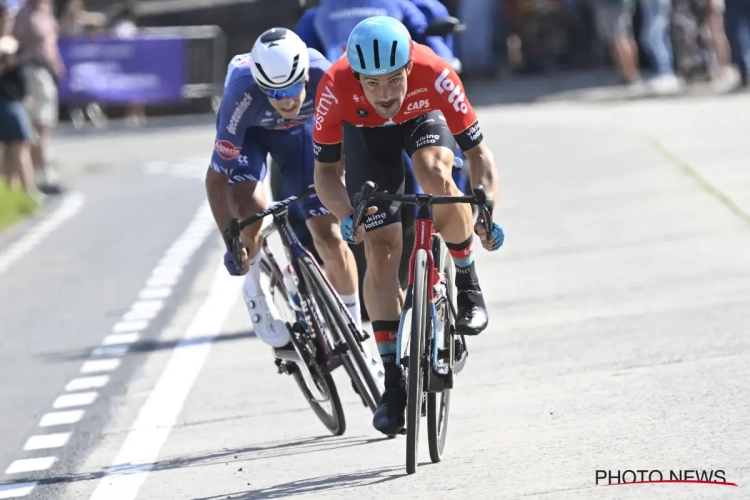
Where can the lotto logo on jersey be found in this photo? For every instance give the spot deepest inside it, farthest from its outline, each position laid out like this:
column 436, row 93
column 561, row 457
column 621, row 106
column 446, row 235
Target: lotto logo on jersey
column 456, row 97
column 418, row 106
column 227, row 150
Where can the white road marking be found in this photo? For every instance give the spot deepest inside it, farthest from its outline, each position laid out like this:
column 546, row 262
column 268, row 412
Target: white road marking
column 61, row 418
column 130, row 326
column 75, row 399
column 17, row 490
column 110, row 351
column 158, row 415
column 121, row 338
column 46, row 441
column 100, row 365
column 126, row 331
column 83, row 383
column 69, row 207
column 156, row 293
column 30, row 465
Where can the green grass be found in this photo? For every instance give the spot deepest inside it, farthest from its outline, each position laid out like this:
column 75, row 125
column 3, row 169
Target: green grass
column 14, row 205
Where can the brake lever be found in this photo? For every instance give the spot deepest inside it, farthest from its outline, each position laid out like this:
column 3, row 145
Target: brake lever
column 481, row 198
column 234, row 232
column 361, row 199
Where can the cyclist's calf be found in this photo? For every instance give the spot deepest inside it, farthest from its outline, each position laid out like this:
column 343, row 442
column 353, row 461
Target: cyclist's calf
column 382, row 290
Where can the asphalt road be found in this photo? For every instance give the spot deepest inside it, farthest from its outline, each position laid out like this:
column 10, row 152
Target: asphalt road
column 618, row 336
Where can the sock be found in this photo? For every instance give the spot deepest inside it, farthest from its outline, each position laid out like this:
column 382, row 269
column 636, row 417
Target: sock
column 252, row 278
column 352, row 304
column 385, row 338
column 463, row 258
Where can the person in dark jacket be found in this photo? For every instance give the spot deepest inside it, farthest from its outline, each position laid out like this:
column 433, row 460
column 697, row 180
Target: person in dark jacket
column 15, row 126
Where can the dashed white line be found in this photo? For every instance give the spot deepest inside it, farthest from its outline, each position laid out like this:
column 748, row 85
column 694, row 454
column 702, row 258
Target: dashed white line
column 156, row 293
column 83, row 383
column 111, row 350
column 69, row 207
column 159, row 287
column 130, row 326
column 61, row 418
column 46, row 441
column 75, row 399
column 121, row 338
column 100, row 365
column 17, row 490
column 30, row 465
column 158, row 415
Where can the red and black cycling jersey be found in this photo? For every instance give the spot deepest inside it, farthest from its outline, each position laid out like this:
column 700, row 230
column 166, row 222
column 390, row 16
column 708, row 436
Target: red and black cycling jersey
column 432, row 85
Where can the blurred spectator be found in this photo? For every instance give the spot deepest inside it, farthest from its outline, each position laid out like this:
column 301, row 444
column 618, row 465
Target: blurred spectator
column 73, row 19
column 695, row 58
column 476, row 43
column 655, row 37
column 615, row 24
column 737, row 19
column 94, row 26
column 37, row 31
column 718, row 35
column 125, row 27
column 15, row 127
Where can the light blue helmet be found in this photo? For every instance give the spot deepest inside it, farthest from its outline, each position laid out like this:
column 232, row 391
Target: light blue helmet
column 378, row 45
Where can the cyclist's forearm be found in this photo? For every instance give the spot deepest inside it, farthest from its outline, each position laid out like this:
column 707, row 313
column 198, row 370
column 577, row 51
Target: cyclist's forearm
column 483, row 170
column 329, row 185
column 217, row 192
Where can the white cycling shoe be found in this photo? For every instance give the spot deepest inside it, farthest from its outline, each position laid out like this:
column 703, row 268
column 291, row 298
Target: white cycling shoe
column 265, row 318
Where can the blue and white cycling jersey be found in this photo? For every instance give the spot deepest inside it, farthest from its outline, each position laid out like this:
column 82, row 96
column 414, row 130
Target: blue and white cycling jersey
column 248, row 129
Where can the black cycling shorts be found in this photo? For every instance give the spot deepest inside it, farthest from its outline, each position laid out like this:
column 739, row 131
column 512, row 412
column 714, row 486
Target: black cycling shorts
column 376, row 154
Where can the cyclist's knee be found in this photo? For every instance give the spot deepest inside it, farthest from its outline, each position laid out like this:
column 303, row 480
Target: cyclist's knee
column 433, row 169
column 383, row 250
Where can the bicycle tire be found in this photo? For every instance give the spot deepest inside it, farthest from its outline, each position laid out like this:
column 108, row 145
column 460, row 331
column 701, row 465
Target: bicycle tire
column 358, row 369
column 419, row 323
column 437, row 402
column 335, row 421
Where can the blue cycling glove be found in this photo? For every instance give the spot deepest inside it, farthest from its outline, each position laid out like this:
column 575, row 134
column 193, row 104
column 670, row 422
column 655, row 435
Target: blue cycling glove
column 498, row 235
column 346, row 228
column 233, row 268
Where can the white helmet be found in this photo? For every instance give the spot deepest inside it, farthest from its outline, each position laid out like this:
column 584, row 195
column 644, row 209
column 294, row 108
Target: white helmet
column 280, row 59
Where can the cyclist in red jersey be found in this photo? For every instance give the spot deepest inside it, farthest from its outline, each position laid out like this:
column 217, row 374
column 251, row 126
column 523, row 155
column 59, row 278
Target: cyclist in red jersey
column 386, row 95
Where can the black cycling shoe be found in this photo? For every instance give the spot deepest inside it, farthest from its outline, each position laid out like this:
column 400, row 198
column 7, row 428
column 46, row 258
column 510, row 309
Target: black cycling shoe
column 472, row 313
column 389, row 415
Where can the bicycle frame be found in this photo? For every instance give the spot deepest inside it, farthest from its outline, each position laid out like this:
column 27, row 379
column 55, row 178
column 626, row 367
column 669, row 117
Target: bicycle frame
column 424, row 229
column 295, row 250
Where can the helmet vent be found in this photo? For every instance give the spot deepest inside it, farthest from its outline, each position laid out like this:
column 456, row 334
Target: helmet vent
column 393, row 53
column 376, row 53
column 361, row 57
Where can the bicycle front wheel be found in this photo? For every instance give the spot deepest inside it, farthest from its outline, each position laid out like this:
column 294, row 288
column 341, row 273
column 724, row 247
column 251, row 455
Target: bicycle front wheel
column 419, row 324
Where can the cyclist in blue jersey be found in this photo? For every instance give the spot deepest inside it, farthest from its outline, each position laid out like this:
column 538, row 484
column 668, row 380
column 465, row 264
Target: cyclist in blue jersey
column 267, row 109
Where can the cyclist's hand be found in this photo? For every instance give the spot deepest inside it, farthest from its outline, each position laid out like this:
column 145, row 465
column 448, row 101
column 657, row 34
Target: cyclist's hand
column 232, row 266
column 496, row 239
column 346, row 227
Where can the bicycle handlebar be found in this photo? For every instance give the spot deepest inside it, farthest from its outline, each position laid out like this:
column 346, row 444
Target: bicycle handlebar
column 236, row 226
column 368, row 193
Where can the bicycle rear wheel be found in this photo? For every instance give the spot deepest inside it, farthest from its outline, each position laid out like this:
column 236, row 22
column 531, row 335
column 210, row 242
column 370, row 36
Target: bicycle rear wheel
column 419, row 324
column 438, row 403
column 323, row 388
column 354, row 360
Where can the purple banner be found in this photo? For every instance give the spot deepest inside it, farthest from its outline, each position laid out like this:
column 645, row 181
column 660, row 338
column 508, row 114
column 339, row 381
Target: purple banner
column 106, row 70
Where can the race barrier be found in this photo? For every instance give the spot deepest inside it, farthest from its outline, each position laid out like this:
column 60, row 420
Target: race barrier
column 158, row 66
